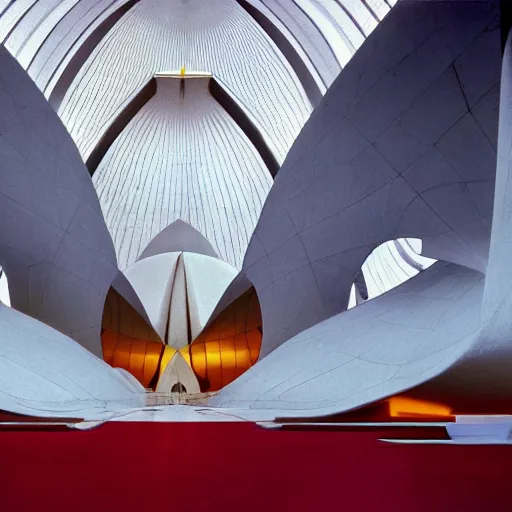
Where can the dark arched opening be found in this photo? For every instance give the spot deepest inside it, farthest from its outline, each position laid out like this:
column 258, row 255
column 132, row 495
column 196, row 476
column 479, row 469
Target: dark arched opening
column 178, row 387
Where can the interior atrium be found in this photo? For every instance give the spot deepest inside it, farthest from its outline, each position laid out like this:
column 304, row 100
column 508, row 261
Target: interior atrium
column 271, row 227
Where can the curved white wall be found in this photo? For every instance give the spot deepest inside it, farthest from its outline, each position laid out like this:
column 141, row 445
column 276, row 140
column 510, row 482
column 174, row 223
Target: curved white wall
column 54, row 244
column 44, row 373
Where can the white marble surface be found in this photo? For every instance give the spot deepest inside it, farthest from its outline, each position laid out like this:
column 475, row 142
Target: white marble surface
column 400, row 146
column 54, row 246
column 180, row 291
column 45, row 373
column 178, row 371
column 382, row 347
column 152, row 280
column 5, row 298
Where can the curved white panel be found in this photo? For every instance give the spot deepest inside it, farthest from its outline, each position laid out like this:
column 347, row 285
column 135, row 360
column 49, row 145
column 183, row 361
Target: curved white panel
column 179, row 291
column 177, row 237
column 54, row 244
column 382, row 347
column 182, row 157
column 178, row 371
column 152, row 279
column 206, row 281
column 326, row 33
column 448, row 325
column 402, row 145
column 44, row 373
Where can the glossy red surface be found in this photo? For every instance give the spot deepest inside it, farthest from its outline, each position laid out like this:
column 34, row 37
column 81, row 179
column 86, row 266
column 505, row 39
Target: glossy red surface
column 239, row 467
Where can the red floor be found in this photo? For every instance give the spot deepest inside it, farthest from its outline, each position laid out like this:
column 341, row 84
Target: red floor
column 238, row 467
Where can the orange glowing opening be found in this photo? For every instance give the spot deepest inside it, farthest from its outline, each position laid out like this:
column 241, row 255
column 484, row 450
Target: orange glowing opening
column 221, row 353
column 402, row 407
column 230, row 345
column 128, row 342
column 140, row 357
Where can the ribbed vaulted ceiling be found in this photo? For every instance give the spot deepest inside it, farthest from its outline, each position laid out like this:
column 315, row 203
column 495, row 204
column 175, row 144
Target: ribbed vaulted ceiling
column 274, row 58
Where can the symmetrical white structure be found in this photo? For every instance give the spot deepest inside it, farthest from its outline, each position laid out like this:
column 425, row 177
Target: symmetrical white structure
column 402, row 146
column 178, row 377
column 162, row 35
column 180, row 291
column 182, row 157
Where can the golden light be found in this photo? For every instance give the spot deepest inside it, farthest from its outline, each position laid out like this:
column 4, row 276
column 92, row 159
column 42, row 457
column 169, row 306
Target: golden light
column 403, row 407
column 221, row 353
column 139, row 357
column 128, row 341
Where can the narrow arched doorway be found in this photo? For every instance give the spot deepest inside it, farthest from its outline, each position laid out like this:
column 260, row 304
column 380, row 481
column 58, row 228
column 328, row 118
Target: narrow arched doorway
column 178, row 387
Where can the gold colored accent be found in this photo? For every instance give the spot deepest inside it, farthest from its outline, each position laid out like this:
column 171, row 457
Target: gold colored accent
column 139, row 357
column 128, row 341
column 167, row 355
column 403, row 407
column 220, row 354
column 230, row 345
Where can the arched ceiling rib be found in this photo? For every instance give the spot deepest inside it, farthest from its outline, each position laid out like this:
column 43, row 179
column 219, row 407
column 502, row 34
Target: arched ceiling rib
column 247, row 123
column 302, row 62
column 53, row 40
column 118, row 124
column 325, row 33
column 320, row 36
column 217, row 91
column 47, row 35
